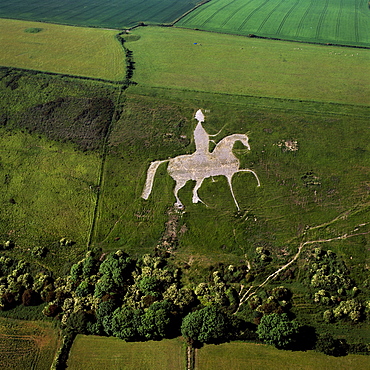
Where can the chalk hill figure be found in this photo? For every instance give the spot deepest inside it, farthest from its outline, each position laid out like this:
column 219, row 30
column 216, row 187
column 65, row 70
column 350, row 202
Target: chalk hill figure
column 201, row 164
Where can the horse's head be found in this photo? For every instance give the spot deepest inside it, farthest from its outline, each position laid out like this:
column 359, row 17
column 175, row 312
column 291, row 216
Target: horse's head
column 243, row 139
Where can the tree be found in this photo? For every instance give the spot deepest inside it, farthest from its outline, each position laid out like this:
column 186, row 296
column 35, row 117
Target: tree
column 158, row 321
column 125, row 323
column 330, row 346
column 278, row 330
column 207, row 325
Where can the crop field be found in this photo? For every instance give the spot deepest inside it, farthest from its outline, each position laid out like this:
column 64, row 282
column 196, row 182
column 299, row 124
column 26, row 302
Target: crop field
column 107, row 13
column 237, row 356
column 93, row 352
column 62, row 49
column 344, row 22
column 200, row 61
column 26, row 344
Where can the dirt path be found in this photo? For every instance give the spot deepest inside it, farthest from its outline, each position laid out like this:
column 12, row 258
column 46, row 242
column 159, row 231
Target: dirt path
column 244, row 296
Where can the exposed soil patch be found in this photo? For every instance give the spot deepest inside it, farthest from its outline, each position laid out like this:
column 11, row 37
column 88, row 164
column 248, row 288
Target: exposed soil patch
column 84, row 121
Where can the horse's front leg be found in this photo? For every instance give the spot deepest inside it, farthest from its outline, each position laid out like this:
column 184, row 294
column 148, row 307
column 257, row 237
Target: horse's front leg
column 198, row 184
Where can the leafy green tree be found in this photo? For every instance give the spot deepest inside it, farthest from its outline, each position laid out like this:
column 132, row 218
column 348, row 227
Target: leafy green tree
column 125, row 323
column 158, row 321
column 83, row 289
column 88, row 266
column 207, row 325
column 76, row 271
column 149, row 285
column 278, row 330
column 115, row 266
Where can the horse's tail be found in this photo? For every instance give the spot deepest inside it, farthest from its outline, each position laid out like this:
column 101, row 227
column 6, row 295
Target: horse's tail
column 150, row 178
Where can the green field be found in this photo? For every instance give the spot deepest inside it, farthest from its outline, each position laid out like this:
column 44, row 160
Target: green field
column 98, row 13
column 200, row 61
column 27, row 344
column 62, row 49
column 238, row 356
column 93, row 352
column 344, row 22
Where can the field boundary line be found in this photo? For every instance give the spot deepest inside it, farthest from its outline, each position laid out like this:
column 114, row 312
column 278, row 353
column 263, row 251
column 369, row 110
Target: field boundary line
column 189, row 11
column 276, row 99
column 56, row 74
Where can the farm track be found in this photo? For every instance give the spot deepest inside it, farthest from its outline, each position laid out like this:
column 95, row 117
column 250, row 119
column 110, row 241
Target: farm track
column 337, row 25
column 285, row 18
column 227, row 19
column 254, row 11
column 321, row 19
column 216, row 12
column 269, row 15
column 303, row 18
column 357, row 34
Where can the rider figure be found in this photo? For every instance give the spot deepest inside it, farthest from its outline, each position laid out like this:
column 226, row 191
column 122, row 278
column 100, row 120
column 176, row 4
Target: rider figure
column 201, row 137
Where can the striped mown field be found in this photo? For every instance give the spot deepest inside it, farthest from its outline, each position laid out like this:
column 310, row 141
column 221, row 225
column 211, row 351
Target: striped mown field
column 329, row 21
column 96, row 13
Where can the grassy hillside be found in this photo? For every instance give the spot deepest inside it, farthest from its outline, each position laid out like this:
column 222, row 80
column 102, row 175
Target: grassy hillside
column 334, row 21
column 274, row 214
column 52, row 132
column 61, row 49
column 201, row 61
column 100, row 352
column 107, row 13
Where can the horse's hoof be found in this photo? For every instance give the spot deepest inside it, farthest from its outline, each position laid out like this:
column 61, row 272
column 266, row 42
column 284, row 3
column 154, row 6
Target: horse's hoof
column 179, row 206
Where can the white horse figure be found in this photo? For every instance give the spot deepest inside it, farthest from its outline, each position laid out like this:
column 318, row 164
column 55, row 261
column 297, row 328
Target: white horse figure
column 199, row 166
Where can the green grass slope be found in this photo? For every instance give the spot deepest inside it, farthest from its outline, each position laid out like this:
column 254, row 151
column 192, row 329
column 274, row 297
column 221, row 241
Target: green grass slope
column 52, row 130
column 333, row 21
column 332, row 149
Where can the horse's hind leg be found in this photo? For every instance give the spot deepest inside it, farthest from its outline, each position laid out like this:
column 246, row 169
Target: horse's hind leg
column 196, row 198
column 229, row 178
column 179, row 184
column 255, row 175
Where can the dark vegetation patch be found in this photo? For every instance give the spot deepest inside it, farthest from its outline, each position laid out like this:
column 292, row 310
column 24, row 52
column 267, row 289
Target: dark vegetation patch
column 33, row 30
column 84, row 121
